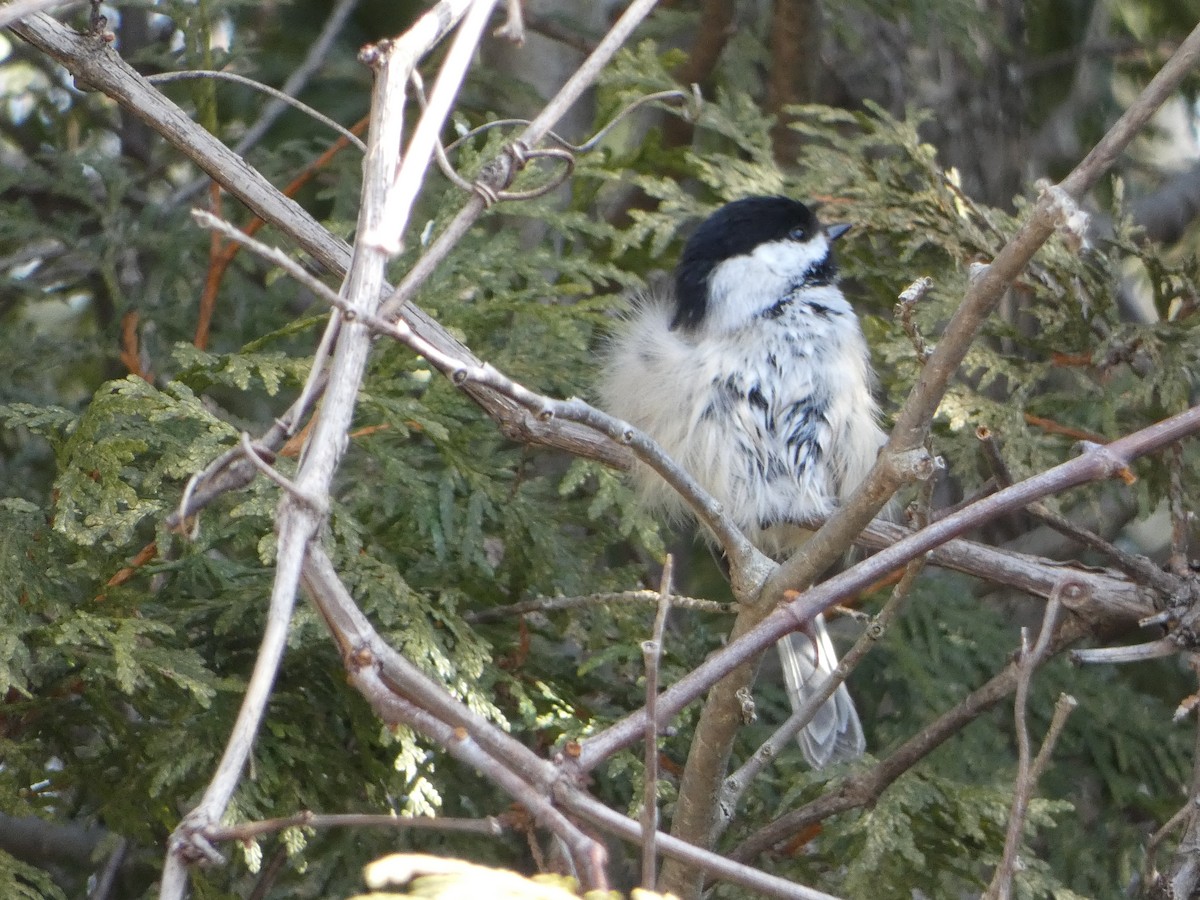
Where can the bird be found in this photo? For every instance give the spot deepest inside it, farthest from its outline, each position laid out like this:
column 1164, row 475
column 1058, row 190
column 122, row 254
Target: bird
column 752, row 372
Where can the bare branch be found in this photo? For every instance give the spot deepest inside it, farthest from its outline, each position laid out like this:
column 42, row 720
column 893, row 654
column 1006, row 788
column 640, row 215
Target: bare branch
column 735, row 786
column 97, row 64
column 862, row 790
column 243, row 831
column 1137, row 567
column 1112, row 593
column 402, row 188
column 280, row 96
column 106, row 880
column 1150, row 875
column 1183, row 875
column 905, row 307
column 297, row 521
column 1181, row 517
column 513, row 28
column 299, row 77
column 719, row 867
column 15, row 10
column 1095, row 464
column 359, row 641
column 651, row 655
column 557, row 604
column 1029, row 769
column 587, row 855
column 1159, row 649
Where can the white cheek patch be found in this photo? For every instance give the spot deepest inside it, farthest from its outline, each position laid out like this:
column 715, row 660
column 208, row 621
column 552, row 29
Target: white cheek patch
column 790, row 258
column 743, row 287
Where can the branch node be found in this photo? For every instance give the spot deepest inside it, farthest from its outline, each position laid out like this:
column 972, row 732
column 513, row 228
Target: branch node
column 906, row 304
column 360, row 657
column 748, row 709
column 261, row 457
column 914, row 465
column 1117, row 467
column 1136, row 653
column 372, row 55
column 692, row 113
column 1072, row 221
column 1075, row 594
column 513, row 29
column 976, row 272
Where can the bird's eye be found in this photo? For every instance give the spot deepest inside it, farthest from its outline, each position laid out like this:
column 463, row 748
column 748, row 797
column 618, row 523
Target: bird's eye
column 798, row 234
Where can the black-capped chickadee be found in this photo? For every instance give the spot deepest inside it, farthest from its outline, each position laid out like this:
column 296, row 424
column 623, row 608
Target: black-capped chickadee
column 755, row 377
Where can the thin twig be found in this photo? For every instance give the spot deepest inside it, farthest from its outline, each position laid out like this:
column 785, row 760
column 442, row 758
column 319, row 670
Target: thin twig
column 549, row 26
column 388, row 233
column 1092, row 465
column 651, row 655
column 704, row 861
column 187, row 844
column 299, row 77
column 360, row 643
column 513, row 28
column 1063, row 707
column 243, row 831
column 863, row 789
column 269, row 874
column 1159, row 649
column 1184, row 872
column 297, row 522
column 254, row 454
column 1028, row 769
column 106, row 881
column 586, row 853
column 280, row 96
column 905, row 307
column 1137, row 567
column 751, row 563
column 273, row 255
column 1178, row 561
column 15, row 10
column 735, row 786
column 1150, row 874
column 557, row 604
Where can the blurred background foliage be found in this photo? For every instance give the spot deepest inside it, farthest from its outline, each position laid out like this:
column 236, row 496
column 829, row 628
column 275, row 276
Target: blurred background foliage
column 124, row 648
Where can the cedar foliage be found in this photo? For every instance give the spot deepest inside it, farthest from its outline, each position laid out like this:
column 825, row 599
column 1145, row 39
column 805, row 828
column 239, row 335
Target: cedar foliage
column 119, row 690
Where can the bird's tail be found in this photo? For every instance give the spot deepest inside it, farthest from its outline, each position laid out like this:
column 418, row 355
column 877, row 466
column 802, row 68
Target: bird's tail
column 834, row 734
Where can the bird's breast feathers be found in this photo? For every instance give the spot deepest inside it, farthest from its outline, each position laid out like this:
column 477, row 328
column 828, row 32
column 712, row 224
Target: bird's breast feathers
column 762, row 415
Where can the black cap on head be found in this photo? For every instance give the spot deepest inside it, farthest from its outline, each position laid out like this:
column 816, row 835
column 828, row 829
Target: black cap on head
column 733, row 230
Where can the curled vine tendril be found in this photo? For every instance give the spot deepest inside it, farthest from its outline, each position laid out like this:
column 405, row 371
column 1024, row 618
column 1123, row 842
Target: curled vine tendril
column 492, row 181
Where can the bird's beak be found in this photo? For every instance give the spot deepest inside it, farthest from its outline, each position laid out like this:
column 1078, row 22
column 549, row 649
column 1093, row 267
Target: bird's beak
column 836, row 231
